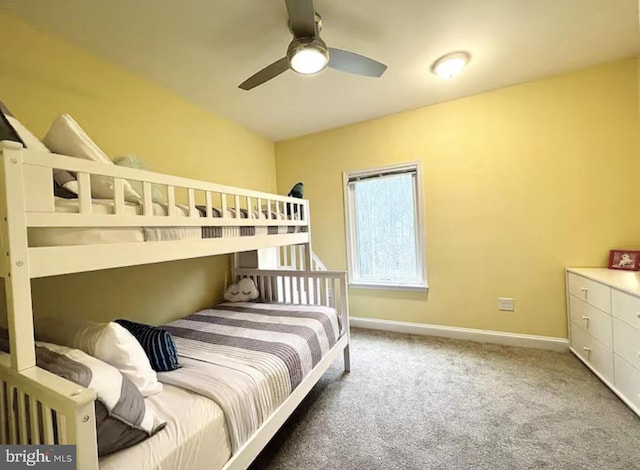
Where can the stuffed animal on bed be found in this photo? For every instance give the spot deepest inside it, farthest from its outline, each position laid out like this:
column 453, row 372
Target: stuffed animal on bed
column 296, row 191
column 242, row 291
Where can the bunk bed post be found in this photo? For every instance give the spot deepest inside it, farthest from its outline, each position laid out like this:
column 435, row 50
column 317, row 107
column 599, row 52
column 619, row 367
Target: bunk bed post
column 235, row 264
column 344, row 311
column 308, row 254
column 81, row 430
column 15, row 257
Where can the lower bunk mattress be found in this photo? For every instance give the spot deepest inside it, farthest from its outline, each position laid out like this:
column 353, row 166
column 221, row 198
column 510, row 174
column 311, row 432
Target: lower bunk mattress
column 243, row 358
column 195, row 437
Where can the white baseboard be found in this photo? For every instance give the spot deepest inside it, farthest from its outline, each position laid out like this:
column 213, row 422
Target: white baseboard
column 469, row 334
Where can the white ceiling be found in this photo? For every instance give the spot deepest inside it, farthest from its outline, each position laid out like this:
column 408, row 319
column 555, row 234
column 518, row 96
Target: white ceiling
column 202, row 49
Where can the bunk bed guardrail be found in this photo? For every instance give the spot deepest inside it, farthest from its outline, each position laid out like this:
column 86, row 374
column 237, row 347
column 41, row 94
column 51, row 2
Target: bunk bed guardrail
column 36, row 172
column 326, row 288
column 40, row 408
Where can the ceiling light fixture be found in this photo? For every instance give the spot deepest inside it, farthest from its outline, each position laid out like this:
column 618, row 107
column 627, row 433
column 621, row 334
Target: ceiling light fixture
column 450, row 65
column 308, row 55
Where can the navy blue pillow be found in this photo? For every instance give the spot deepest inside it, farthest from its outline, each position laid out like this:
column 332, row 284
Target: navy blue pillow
column 157, row 344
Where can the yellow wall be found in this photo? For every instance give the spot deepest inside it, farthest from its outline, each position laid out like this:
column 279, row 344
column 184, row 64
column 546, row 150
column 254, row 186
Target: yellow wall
column 42, row 76
column 518, row 184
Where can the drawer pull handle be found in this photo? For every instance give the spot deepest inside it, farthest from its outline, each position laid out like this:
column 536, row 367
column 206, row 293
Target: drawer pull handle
column 585, row 291
column 586, row 318
column 588, row 351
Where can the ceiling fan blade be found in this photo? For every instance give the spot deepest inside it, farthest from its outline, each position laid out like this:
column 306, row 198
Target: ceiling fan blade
column 351, row 62
column 302, row 18
column 266, row 74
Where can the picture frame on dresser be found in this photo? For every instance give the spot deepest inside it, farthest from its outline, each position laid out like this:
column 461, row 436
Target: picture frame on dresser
column 627, row 260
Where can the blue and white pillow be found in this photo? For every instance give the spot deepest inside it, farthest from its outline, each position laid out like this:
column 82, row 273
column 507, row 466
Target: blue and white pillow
column 157, row 344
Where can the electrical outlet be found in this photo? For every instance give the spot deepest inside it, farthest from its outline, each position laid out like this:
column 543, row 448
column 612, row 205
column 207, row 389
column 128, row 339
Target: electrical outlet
column 505, row 304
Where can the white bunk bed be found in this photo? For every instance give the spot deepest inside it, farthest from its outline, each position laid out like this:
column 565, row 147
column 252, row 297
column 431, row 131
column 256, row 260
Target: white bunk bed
column 28, row 204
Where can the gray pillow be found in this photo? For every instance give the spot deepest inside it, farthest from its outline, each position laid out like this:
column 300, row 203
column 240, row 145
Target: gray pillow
column 122, row 416
column 9, row 132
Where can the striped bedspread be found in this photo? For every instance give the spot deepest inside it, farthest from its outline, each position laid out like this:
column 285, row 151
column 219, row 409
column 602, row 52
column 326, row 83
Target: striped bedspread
column 248, row 357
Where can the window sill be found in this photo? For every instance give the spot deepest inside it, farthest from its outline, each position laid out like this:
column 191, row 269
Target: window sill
column 405, row 287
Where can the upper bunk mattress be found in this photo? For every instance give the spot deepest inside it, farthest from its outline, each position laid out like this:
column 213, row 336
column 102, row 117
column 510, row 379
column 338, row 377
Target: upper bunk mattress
column 248, row 357
column 64, row 236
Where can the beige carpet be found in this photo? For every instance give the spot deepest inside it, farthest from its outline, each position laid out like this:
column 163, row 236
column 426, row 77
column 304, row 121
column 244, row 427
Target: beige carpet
column 414, row 402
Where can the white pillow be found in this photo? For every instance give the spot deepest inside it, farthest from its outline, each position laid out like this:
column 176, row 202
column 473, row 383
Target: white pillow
column 30, row 141
column 66, row 137
column 109, row 342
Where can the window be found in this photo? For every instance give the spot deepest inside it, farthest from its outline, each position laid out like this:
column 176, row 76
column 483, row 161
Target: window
column 385, row 230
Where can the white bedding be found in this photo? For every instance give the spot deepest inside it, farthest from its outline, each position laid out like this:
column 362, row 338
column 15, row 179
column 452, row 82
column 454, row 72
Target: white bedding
column 195, row 437
column 62, row 236
column 249, row 356
column 65, row 236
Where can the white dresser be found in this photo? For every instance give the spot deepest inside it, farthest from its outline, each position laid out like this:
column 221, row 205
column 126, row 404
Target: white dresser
column 603, row 307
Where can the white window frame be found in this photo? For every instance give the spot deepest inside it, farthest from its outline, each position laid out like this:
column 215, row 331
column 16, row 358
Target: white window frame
column 351, row 232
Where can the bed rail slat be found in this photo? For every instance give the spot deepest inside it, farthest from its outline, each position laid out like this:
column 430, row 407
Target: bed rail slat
column 224, row 204
column 301, row 257
column 275, row 284
column 236, row 206
column 209, row 203
column 12, row 415
column 324, row 299
column 34, row 418
column 171, row 200
column 147, row 199
column 48, row 425
column 191, row 196
column 118, row 196
column 84, row 189
column 22, row 418
column 3, row 412
column 260, row 286
column 291, row 290
column 311, row 290
column 249, row 208
column 332, row 296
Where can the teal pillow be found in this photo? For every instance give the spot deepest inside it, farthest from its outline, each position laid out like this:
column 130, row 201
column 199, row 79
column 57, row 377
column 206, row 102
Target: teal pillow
column 131, row 161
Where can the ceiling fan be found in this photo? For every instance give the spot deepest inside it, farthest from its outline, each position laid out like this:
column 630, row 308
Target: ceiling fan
column 308, row 54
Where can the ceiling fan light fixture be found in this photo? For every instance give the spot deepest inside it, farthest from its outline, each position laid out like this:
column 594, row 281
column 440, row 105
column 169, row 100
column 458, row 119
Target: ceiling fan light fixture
column 308, row 55
column 450, row 65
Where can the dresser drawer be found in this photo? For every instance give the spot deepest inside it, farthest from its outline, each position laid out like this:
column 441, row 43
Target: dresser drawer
column 626, row 342
column 626, row 307
column 592, row 351
column 628, row 381
column 592, row 292
column 589, row 318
